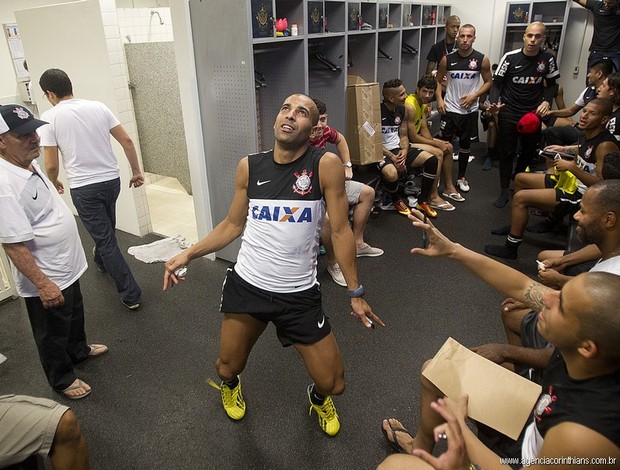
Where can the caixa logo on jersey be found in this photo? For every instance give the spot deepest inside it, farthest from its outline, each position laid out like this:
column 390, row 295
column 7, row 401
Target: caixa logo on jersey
column 282, row 214
column 464, row 75
column 527, row 80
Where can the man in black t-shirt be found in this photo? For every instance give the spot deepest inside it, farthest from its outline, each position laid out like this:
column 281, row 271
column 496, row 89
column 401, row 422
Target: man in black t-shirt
column 606, row 32
column 445, row 46
column 525, row 81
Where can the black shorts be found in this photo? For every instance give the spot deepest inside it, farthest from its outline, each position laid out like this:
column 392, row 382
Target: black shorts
column 550, row 121
column 484, row 119
column 463, row 126
column 530, row 338
column 560, row 195
column 297, row 316
column 577, row 269
column 412, row 154
column 473, row 131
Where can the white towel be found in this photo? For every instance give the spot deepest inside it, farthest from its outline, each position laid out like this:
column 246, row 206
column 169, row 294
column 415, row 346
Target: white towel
column 159, row 251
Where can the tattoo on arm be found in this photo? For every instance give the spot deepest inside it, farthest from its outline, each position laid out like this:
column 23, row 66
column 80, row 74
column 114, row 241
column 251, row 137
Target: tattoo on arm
column 534, row 296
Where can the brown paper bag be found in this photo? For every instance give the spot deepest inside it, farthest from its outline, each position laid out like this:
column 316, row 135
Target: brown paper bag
column 498, row 397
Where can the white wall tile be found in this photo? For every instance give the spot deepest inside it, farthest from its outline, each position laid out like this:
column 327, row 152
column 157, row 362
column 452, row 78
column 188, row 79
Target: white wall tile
column 125, row 116
column 141, row 26
column 117, row 70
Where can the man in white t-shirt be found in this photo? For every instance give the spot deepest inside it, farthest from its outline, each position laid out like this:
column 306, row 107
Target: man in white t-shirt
column 39, row 234
column 81, row 130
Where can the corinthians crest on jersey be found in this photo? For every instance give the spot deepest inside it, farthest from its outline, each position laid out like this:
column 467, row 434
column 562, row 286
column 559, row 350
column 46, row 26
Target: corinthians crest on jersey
column 303, row 184
column 473, row 64
column 543, row 406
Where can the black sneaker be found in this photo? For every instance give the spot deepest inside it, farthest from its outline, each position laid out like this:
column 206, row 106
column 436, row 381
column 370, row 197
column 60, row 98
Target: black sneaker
column 100, row 266
column 488, row 163
column 502, row 200
column 501, row 251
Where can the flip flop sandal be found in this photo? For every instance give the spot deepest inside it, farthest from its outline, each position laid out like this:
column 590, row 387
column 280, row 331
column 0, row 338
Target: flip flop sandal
column 454, row 196
column 394, row 443
column 444, row 206
column 72, row 387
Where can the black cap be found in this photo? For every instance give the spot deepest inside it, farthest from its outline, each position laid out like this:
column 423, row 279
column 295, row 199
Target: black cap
column 18, row 119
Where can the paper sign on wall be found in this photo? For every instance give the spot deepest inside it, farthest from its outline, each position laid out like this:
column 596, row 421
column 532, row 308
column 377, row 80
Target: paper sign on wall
column 14, row 41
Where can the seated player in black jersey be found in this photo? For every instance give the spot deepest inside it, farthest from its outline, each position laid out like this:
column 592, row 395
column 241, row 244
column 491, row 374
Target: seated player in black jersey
column 561, row 130
column 399, row 157
column 610, row 89
column 539, row 190
column 578, row 413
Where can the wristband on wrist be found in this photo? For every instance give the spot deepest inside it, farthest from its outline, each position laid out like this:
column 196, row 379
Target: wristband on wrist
column 359, row 292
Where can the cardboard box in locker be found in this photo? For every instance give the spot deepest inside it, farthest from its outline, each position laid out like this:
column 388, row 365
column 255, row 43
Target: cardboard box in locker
column 363, row 131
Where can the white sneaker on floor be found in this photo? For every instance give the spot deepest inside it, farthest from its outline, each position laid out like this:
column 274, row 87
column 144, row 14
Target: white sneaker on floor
column 462, row 184
column 368, row 250
column 336, row 274
column 455, row 157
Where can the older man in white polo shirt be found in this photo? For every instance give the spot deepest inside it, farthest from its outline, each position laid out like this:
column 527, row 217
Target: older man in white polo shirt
column 39, row 234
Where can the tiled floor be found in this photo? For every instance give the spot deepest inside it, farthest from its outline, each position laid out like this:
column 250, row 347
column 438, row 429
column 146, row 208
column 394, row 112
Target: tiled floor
column 171, row 208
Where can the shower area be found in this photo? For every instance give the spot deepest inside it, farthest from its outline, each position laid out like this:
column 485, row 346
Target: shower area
column 149, row 50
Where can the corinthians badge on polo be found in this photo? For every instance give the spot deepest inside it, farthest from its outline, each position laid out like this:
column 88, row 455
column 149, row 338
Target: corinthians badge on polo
column 303, row 184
